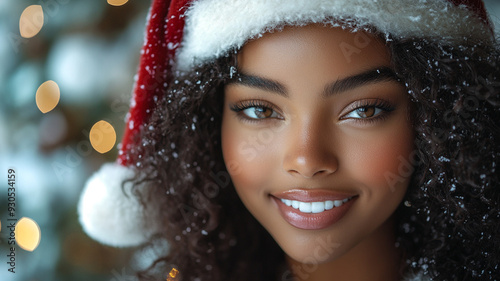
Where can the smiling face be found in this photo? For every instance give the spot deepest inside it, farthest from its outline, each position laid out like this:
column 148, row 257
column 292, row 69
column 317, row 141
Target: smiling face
column 315, row 133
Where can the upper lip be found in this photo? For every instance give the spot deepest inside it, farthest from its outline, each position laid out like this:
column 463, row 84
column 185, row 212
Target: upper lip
column 312, row 195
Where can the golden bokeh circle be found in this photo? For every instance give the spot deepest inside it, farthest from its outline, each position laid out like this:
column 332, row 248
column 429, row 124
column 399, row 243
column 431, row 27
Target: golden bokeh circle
column 47, row 96
column 27, row 234
column 117, row 2
column 31, row 21
column 102, row 136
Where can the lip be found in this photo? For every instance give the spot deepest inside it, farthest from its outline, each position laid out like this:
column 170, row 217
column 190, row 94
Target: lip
column 312, row 221
column 312, row 195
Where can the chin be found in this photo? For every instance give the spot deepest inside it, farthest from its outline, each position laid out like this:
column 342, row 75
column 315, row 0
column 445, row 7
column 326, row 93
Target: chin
column 316, row 255
column 315, row 247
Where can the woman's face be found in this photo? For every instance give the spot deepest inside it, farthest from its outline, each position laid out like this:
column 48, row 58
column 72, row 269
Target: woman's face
column 316, row 137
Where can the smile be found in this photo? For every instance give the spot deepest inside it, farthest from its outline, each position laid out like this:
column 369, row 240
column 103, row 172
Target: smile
column 315, row 207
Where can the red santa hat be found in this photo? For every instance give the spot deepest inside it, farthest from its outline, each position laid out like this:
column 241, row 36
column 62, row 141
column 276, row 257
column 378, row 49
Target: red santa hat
column 183, row 34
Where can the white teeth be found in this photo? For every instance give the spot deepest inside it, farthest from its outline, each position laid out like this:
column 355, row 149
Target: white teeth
column 314, row 207
column 338, row 203
column 328, row 205
column 317, row 207
column 305, row 207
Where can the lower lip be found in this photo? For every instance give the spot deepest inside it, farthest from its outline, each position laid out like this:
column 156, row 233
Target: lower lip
column 311, row 221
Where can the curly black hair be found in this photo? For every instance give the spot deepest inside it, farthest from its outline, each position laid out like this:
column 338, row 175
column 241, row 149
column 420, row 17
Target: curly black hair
column 448, row 225
column 452, row 229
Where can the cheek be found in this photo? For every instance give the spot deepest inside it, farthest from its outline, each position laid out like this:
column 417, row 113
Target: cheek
column 382, row 159
column 247, row 155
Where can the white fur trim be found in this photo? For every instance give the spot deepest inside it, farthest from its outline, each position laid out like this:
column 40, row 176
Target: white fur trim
column 213, row 27
column 106, row 213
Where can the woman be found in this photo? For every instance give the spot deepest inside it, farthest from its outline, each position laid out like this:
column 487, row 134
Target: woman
column 307, row 140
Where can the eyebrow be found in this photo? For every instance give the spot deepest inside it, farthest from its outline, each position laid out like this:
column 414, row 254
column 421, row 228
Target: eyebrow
column 259, row 83
column 379, row 74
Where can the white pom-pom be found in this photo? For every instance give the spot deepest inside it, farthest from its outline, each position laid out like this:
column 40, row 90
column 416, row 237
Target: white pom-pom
column 107, row 214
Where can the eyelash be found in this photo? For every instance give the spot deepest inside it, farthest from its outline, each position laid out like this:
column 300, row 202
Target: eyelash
column 240, row 107
column 385, row 106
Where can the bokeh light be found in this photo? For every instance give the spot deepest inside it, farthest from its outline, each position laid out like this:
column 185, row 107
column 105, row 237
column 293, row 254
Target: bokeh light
column 28, row 234
column 47, row 96
column 117, row 2
column 172, row 275
column 102, row 136
column 31, row 21
column 79, row 45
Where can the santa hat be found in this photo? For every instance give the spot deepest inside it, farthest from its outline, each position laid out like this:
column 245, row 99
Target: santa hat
column 183, row 34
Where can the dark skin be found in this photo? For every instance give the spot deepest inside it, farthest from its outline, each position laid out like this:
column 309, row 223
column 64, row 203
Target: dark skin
column 318, row 109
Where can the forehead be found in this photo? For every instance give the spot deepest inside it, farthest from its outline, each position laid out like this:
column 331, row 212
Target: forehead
column 313, row 49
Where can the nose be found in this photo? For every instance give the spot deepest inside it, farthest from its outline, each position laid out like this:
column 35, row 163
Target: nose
column 310, row 152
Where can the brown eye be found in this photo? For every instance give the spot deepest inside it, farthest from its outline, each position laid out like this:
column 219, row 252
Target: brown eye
column 366, row 112
column 259, row 112
column 263, row 112
column 255, row 111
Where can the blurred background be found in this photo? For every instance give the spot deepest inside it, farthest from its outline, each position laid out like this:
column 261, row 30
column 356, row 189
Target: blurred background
column 90, row 49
